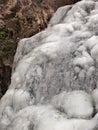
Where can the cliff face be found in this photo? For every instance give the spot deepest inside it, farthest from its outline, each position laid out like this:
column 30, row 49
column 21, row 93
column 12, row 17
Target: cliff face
column 19, row 19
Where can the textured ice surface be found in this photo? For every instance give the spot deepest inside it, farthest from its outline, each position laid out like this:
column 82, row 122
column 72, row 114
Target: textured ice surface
column 95, row 97
column 77, row 104
column 54, row 84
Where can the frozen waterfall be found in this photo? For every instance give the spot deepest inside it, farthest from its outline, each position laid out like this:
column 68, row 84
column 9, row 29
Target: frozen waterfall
column 54, row 84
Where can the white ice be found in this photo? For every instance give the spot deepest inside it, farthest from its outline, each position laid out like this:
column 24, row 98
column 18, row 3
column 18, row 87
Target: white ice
column 55, row 75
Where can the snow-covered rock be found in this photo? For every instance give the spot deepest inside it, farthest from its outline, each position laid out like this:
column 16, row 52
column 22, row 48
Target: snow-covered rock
column 46, row 118
column 55, row 75
column 40, row 117
column 76, row 104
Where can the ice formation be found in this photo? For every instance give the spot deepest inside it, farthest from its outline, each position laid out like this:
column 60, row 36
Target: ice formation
column 54, row 84
column 76, row 104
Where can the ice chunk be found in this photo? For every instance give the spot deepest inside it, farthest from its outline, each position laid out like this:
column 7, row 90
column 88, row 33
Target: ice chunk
column 76, row 104
column 90, row 43
column 95, row 98
column 47, row 118
column 84, row 61
column 91, row 71
column 21, row 99
column 94, row 53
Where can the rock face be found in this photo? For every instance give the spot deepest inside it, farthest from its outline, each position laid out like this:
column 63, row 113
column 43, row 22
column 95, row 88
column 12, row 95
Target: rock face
column 19, row 19
column 54, row 78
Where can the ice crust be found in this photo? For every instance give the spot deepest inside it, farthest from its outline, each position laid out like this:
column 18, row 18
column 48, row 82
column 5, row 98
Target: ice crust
column 76, row 104
column 54, row 83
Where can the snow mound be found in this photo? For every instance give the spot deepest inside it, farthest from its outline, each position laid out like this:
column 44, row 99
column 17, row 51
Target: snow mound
column 77, row 104
column 46, row 118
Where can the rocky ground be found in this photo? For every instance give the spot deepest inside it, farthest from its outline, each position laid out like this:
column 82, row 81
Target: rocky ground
column 19, row 19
